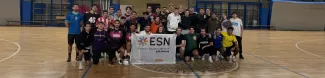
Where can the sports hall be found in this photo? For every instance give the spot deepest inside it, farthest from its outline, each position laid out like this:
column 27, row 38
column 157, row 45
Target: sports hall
column 281, row 39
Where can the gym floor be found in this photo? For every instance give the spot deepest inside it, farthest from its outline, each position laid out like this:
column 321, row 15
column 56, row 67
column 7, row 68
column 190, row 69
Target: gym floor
column 41, row 52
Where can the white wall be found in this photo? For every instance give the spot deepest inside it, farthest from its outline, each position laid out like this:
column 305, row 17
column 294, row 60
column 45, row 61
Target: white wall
column 9, row 10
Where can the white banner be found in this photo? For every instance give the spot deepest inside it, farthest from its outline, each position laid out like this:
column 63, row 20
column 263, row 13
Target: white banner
column 153, row 49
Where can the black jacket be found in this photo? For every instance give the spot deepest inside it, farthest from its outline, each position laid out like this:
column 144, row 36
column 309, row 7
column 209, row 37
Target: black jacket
column 84, row 40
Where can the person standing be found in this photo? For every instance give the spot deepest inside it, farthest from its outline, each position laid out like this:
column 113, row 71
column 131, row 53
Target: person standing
column 73, row 21
column 155, row 24
column 213, row 23
column 201, row 21
column 118, row 15
column 145, row 20
column 92, row 16
column 225, row 23
column 173, row 20
column 128, row 12
column 111, row 12
column 106, row 19
column 237, row 24
column 186, row 22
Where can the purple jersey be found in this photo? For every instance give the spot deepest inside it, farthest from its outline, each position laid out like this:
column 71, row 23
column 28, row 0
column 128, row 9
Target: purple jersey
column 99, row 40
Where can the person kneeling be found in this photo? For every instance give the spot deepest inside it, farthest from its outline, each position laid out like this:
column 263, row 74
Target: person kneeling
column 205, row 44
column 217, row 44
column 84, row 44
column 191, row 45
column 230, row 43
column 180, row 44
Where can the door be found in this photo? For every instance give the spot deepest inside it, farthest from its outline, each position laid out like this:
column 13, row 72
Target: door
column 154, row 7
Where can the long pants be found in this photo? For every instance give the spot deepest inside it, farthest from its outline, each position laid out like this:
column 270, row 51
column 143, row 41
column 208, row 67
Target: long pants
column 239, row 39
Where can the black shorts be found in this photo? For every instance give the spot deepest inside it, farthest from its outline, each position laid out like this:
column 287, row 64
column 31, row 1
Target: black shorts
column 115, row 48
column 214, row 51
column 228, row 50
column 87, row 55
column 189, row 52
column 72, row 38
column 177, row 50
column 206, row 50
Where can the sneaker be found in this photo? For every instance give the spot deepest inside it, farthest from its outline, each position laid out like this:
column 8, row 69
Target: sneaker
column 69, row 59
column 126, row 62
column 119, row 62
column 80, row 65
column 210, row 59
column 203, row 57
column 234, row 58
column 241, row 56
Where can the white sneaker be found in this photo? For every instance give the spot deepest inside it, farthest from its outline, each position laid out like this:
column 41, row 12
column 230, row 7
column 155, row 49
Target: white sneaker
column 229, row 59
column 119, row 61
column 126, row 62
column 210, row 59
column 203, row 57
column 80, row 65
column 234, row 58
column 192, row 58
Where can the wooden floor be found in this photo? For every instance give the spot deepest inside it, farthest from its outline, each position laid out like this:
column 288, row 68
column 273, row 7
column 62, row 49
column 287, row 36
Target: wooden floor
column 41, row 52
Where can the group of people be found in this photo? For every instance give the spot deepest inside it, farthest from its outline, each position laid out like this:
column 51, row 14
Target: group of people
column 199, row 35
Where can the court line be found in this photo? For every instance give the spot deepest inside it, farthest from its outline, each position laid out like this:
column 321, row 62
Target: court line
column 191, row 69
column 307, row 51
column 85, row 73
column 13, row 53
column 277, row 65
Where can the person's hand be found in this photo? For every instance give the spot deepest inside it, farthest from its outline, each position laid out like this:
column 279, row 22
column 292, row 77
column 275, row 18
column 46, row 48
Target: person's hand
column 203, row 47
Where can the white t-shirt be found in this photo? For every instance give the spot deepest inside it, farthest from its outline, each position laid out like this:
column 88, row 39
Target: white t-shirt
column 172, row 21
column 237, row 25
column 144, row 33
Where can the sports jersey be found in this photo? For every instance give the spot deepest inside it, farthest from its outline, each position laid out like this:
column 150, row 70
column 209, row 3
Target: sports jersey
column 191, row 41
column 92, row 18
column 107, row 22
column 129, row 35
column 217, row 40
column 116, row 37
column 74, row 19
column 228, row 40
column 203, row 41
column 99, row 40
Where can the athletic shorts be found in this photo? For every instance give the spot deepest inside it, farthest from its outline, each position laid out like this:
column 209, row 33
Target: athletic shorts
column 228, row 50
column 115, row 48
column 72, row 38
column 206, row 50
column 189, row 52
column 87, row 55
column 177, row 50
column 214, row 51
